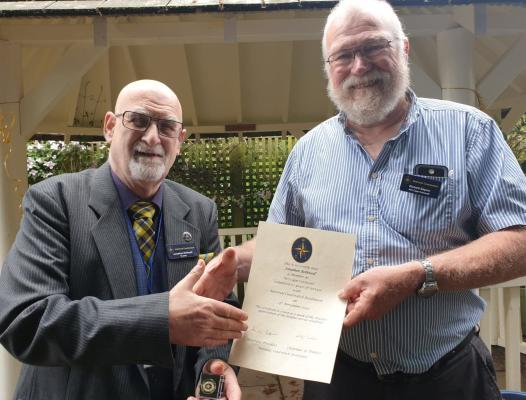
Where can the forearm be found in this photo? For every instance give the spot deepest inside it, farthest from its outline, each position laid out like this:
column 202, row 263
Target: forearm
column 496, row 257
column 244, row 254
column 57, row 331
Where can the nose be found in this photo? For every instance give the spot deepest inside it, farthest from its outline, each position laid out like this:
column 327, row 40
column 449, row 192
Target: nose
column 151, row 136
column 360, row 65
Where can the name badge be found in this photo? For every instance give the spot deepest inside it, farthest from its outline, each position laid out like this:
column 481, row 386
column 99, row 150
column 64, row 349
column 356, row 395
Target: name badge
column 180, row 251
column 421, row 186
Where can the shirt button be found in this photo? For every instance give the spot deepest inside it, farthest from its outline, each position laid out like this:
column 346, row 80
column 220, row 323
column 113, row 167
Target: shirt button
column 371, row 218
column 374, row 175
column 370, row 261
column 374, row 355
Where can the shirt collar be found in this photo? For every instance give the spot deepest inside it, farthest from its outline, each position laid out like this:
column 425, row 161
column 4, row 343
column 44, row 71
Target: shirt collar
column 128, row 197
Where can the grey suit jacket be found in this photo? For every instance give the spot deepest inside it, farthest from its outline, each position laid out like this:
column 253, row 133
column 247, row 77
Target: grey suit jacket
column 69, row 308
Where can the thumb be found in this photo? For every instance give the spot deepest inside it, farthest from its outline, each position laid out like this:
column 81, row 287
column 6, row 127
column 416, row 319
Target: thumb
column 218, row 367
column 229, row 256
column 193, row 276
column 224, row 260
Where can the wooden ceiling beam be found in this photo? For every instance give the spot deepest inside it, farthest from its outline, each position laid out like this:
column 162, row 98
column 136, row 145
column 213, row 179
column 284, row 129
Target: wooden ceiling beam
column 75, row 62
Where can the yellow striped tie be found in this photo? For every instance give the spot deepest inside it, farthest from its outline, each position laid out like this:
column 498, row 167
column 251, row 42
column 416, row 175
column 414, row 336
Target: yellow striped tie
column 142, row 213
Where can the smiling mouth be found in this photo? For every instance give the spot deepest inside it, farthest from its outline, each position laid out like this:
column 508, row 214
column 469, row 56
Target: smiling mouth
column 146, row 154
column 367, row 84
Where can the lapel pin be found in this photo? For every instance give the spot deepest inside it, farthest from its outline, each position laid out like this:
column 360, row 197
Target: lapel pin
column 187, row 236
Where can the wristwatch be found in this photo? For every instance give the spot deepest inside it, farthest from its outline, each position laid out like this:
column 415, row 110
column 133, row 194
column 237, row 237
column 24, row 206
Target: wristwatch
column 430, row 285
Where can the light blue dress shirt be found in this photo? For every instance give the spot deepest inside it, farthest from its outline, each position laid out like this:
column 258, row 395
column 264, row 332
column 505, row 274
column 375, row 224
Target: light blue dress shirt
column 330, row 182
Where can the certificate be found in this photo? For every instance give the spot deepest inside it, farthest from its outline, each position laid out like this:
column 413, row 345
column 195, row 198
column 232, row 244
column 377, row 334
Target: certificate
column 295, row 316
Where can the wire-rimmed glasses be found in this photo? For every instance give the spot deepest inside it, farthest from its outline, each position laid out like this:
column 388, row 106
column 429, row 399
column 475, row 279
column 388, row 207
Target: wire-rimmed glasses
column 370, row 51
column 141, row 122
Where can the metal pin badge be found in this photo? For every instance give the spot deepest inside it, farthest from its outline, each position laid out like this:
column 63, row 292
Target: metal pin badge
column 187, row 236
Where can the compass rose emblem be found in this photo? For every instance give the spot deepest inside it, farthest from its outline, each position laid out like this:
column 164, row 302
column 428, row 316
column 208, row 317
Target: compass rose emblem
column 301, row 249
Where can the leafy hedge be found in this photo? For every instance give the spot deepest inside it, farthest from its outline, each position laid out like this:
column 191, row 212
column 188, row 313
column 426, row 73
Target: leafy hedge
column 239, row 174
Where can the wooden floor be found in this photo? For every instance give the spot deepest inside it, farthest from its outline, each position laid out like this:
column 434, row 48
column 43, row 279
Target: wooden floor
column 260, row 386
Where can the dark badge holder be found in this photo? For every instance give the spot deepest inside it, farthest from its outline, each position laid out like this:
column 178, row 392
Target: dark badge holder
column 211, row 386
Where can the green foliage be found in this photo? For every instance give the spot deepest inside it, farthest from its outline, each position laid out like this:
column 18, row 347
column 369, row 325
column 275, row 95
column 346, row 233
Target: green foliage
column 517, row 141
column 48, row 158
column 240, row 175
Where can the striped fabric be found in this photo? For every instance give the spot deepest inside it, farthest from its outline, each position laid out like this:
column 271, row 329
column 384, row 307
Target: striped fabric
column 331, row 183
column 142, row 213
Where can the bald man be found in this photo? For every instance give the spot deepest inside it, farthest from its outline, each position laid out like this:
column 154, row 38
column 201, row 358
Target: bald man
column 96, row 293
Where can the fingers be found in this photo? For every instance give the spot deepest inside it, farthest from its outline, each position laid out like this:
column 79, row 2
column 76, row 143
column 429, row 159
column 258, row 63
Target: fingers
column 218, row 367
column 227, row 260
column 232, row 389
column 228, row 311
column 193, row 276
column 219, row 277
column 350, row 291
column 356, row 314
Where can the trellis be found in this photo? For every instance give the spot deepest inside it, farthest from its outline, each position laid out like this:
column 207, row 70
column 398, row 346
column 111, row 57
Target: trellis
column 239, row 174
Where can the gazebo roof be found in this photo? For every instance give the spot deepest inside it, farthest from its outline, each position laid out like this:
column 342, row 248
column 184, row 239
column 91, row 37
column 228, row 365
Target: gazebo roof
column 255, row 67
column 43, row 8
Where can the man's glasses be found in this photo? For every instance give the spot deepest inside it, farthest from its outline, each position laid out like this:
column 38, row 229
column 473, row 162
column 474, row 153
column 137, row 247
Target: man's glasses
column 141, row 122
column 370, row 52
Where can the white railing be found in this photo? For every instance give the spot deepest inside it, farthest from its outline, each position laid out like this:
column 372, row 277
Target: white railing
column 500, row 324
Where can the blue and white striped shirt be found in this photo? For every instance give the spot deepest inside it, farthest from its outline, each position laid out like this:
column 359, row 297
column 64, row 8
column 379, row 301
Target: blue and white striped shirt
column 330, row 182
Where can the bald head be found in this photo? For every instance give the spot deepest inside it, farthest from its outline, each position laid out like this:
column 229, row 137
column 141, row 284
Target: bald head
column 145, row 133
column 147, row 88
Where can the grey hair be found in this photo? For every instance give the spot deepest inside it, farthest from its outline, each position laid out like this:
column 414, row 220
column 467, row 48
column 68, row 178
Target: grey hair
column 380, row 10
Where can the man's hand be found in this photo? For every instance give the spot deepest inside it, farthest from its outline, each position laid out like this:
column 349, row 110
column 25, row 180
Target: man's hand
column 375, row 292
column 231, row 389
column 220, row 276
column 198, row 321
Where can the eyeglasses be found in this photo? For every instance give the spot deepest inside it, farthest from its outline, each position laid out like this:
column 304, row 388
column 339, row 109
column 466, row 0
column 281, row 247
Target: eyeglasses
column 370, row 51
column 141, row 122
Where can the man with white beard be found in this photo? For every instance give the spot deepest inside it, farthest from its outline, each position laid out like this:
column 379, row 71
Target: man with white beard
column 96, row 293
column 438, row 204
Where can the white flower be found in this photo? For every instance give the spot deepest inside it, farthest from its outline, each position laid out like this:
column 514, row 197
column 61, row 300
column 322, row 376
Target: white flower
column 50, row 164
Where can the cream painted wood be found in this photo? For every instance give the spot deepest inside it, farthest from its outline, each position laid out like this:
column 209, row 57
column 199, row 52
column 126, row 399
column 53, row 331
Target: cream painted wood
column 75, row 62
column 503, row 73
column 457, row 78
column 13, row 180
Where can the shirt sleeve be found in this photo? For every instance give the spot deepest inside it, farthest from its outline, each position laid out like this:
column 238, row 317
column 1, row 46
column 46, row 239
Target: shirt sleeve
column 284, row 208
column 497, row 185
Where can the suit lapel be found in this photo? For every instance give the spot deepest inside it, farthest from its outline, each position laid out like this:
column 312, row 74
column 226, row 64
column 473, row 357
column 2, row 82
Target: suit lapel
column 111, row 235
column 175, row 213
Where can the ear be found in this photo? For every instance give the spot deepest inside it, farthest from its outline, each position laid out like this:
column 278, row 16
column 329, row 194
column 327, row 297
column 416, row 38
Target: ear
column 182, row 136
column 406, row 47
column 109, row 124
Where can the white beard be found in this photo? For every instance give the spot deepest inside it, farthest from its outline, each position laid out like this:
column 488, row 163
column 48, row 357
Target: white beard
column 376, row 102
column 145, row 169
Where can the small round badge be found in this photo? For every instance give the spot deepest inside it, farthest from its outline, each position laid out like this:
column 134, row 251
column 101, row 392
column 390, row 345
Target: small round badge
column 301, row 249
column 187, row 236
column 208, row 386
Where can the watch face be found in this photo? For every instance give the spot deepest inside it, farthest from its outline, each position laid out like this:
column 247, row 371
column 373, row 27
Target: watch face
column 428, row 289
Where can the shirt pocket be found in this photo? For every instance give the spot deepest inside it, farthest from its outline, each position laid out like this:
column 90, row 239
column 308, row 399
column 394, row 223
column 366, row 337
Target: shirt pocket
column 413, row 214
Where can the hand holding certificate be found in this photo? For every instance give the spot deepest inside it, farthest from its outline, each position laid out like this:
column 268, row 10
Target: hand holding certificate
column 295, row 315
